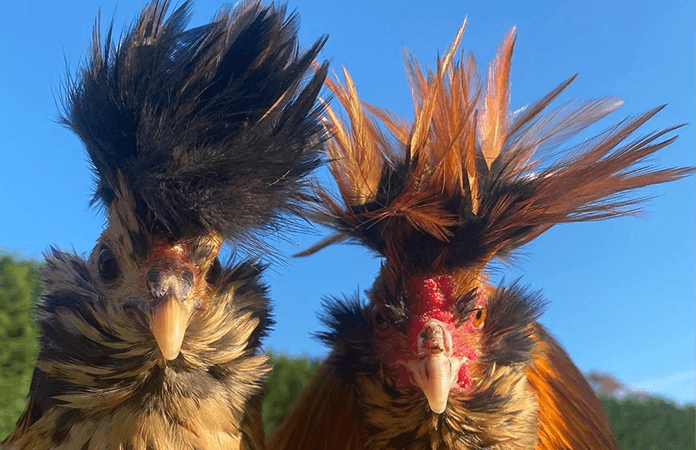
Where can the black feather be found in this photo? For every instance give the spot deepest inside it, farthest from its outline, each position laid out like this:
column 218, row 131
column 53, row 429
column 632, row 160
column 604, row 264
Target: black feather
column 350, row 336
column 508, row 330
column 210, row 128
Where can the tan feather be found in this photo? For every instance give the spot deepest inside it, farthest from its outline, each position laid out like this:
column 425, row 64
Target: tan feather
column 396, row 125
column 429, row 92
column 356, row 156
column 493, row 125
column 570, row 415
column 423, row 212
column 470, row 165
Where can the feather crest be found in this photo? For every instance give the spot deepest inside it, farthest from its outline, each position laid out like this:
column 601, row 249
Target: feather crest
column 467, row 181
column 212, row 127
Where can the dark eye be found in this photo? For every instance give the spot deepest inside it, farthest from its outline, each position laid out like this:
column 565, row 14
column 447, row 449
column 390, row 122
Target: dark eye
column 214, row 271
column 380, row 319
column 479, row 317
column 107, row 265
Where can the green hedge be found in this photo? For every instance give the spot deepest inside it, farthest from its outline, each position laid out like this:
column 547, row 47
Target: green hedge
column 19, row 288
column 285, row 382
column 651, row 424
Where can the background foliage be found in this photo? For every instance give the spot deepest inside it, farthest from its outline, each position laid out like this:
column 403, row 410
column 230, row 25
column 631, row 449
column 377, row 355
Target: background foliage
column 640, row 424
column 19, row 288
column 651, row 424
column 285, row 382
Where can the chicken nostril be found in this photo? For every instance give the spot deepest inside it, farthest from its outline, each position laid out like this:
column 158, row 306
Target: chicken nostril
column 154, row 283
column 434, row 339
column 153, row 276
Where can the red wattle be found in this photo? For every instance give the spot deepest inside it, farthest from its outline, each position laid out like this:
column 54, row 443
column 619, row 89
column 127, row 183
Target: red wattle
column 464, row 378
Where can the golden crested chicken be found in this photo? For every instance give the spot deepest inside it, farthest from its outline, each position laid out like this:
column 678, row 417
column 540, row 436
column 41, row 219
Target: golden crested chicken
column 437, row 358
column 198, row 137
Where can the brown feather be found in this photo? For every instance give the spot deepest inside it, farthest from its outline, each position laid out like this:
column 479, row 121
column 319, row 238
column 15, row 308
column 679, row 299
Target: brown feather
column 570, row 415
column 308, row 426
column 427, row 92
column 493, row 126
column 355, row 155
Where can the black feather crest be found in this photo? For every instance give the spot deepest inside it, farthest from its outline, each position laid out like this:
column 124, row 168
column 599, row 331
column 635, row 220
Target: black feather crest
column 211, row 128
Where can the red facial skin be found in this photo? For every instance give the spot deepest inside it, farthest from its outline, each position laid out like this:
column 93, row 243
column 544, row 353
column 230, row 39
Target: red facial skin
column 431, row 297
column 167, row 256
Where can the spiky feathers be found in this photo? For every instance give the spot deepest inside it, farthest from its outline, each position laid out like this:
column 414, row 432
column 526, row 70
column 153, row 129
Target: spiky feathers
column 211, row 127
column 468, row 177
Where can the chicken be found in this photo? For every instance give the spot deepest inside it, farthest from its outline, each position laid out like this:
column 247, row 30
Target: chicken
column 198, row 138
column 437, row 357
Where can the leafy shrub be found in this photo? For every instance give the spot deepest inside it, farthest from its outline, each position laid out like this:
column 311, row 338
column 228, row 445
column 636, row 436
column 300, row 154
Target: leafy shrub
column 651, row 424
column 19, row 289
column 288, row 378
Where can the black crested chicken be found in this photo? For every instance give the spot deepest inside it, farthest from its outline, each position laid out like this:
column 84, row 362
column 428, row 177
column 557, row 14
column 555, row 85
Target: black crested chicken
column 198, row 137
column 437, row 358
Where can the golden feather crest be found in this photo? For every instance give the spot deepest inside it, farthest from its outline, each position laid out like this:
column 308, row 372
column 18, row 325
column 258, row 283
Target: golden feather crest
column 466, row 177
column 440, row 145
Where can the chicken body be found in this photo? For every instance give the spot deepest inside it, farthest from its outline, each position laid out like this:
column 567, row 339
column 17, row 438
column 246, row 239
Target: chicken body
column 198, row 137
column 436, row 358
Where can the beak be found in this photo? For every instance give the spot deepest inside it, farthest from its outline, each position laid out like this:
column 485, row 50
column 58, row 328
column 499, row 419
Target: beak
column 437, row 371
column 171, row 314
column 169, row 321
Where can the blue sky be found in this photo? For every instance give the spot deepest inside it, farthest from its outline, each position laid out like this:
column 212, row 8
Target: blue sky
column 621, row 292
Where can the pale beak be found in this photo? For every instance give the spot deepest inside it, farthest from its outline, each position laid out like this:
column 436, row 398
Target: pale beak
column 170, row 315
column 437, row 371
column 169, row 321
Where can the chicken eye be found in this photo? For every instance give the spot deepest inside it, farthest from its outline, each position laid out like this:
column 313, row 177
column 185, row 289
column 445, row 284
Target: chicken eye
column 479, row 317
column 380, row 320
column 107, row 265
